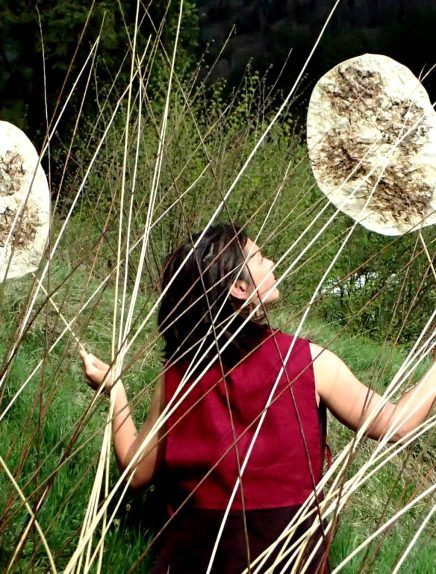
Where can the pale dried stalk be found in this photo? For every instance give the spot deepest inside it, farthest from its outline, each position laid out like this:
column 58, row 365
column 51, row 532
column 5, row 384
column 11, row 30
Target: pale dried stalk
column 30, row 511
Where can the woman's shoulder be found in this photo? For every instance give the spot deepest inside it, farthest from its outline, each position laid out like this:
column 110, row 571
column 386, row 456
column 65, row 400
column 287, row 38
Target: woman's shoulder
column 282, row 341
column 286, row 337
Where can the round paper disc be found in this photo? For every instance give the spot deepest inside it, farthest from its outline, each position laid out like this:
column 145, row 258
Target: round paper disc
column 24, row 204
column 371, row 134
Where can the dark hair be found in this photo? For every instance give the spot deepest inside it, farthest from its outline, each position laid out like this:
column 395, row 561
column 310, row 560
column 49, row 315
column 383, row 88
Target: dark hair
column 199, row 295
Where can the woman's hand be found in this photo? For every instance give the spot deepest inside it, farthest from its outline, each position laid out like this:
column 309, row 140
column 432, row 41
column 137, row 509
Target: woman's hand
column 97, row 373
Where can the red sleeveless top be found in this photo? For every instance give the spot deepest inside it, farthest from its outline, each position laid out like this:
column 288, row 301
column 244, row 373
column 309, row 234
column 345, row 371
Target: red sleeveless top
column 210, row 433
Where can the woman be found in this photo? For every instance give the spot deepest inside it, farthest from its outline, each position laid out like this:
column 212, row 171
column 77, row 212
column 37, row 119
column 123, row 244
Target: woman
column 245, row 403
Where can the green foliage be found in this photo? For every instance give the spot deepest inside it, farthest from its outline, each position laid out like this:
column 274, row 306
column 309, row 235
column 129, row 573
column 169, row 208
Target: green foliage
column 377, row 294
column 380, row 286
column 68, row 30
column 44, row 439
column 52, row 406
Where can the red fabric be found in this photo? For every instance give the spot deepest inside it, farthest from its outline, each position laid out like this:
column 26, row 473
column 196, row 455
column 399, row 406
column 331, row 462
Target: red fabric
column 187, row 542
column 279, row 472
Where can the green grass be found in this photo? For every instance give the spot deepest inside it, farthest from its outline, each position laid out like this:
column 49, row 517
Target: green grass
column 45, row 426
column 38, row 434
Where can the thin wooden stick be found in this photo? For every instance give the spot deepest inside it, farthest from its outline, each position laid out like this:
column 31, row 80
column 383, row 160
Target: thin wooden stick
column 414, row 539
column 392, row 520
column 30, row 511
column 58, row 311
column 430, row 260
column 64, row 225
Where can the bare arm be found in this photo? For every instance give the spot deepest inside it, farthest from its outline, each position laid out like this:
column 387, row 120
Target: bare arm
column 127, row 440
column 352, row 402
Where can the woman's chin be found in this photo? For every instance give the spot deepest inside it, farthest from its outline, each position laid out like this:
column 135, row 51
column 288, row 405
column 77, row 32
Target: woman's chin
column 271, row 297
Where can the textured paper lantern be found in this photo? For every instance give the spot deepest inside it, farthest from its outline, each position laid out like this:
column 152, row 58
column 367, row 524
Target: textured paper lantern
column 24, row 204
column 371, row 134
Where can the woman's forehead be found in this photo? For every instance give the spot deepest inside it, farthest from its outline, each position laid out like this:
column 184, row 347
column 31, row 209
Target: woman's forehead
column 251, row 248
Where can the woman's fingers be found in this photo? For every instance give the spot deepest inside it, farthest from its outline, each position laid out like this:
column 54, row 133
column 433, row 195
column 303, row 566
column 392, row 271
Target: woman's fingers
column 99, row 364
column 95, row 370
column 93, row 362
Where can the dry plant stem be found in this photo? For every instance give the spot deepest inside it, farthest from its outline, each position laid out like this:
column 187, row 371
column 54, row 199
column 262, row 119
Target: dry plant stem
column 56, row 308
column 399, row 378
column 107, row 438
column 402, row 418
column 82, row 545
column 120, row 499
column 345, row 494
column 156, row 178
column 378, row 460
column 123, row 185
column 414, row 540
column 29, row 510
column 404, row 373
column 68, row 217
column 430, row 260
column 25, row 533
column 61, row 92
column 75, row 130
column 109, row 522
column 334, row 492
column 427, row 427
column 377, row 373
column 88, row 514
column 89, row 57
column 105, row 450
column 393, row 519
column 126, row 325
column 380, row 448
column 44, row 76
column 53, row 346
column 350, row 482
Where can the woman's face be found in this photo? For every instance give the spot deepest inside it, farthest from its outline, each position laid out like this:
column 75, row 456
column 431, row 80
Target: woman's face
column 262, row 277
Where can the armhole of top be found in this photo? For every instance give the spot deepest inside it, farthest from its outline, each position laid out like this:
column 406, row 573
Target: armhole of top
column 322, row 410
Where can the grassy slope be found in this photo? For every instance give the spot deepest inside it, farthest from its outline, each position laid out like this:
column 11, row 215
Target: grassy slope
column 390, row 489
column 40, row 430
column 37, row 432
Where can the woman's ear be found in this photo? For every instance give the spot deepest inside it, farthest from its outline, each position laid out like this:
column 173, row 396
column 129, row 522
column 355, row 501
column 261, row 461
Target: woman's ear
column 240, row 289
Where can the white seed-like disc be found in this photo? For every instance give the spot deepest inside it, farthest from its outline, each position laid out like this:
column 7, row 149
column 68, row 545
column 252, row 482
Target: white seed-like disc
column 371, row 135
column 24, row 204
